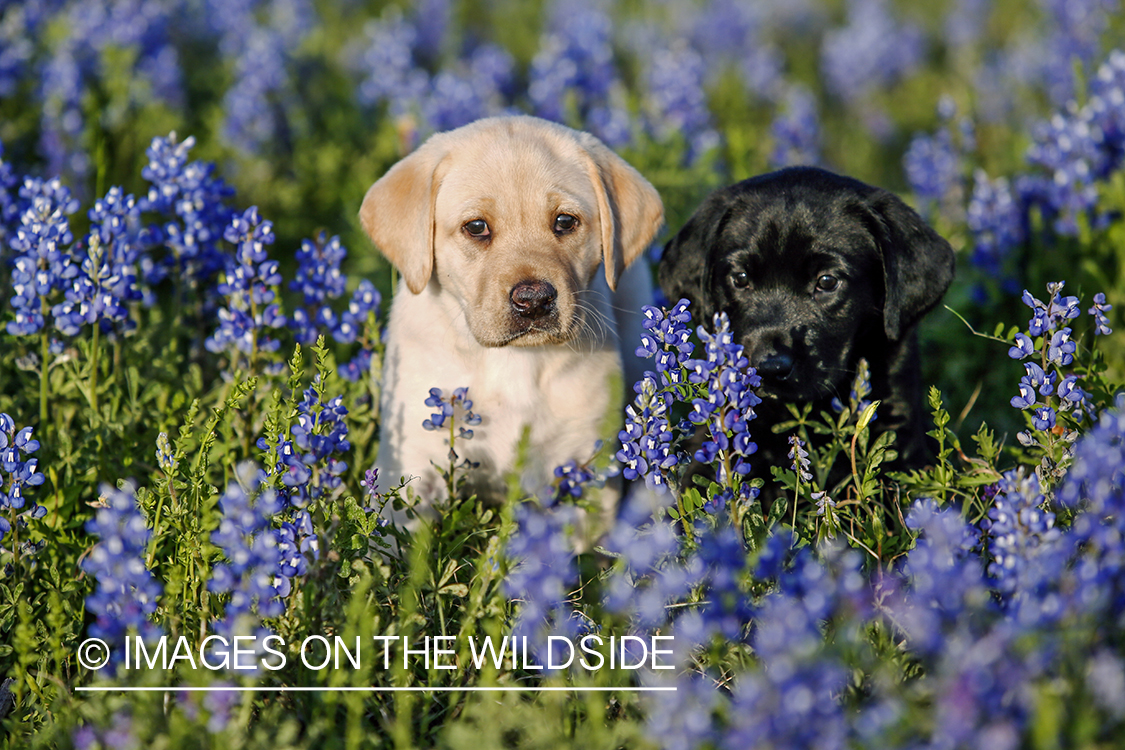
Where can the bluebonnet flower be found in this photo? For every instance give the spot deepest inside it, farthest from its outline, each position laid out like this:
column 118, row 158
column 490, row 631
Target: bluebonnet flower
column 370, row 485
column 574, row 65
column 392, row 77
column 120, row 733
column 677, row 103
column 686, row 719
column 116, row 221
column 248, row 288
column 447, row 410
column 793, row 707
column 311, row 462
column 259, row 37
column 319, row 280
column 9, row 201
column 91, row 29
column 543, row 573
column 1057, row 350
column 1064, row 148
column 259, row 559
column 995, row 219
column 351, row 323
column 1023, row 347
column 194, row 200
column 478, row 89
column 126, row 594
column 858, row 398
column 252, row 105
column 43, row 263
column 90, row 300
column 944, row 578
column 717, row 567
column 1105, row 110
column 796, row 131
column 793, row 699
column 17, row 30
column 431, row 19
column 872, row 51
column 647, row 579
column 1075, row 33
column 734, row 35
column 1099, row 311
column 1060, row 349
column 358, row 323
column 166, row 455
column 572, row 479
column 1017, row 526
column 933, row 167
column 729, row 405
column 646, row 441
column 823, row 502
column 18, row 472
column 800, row 458
column 966, row 21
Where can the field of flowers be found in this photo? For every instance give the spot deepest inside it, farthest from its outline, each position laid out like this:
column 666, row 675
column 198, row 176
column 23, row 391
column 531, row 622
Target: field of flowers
column 190, row 360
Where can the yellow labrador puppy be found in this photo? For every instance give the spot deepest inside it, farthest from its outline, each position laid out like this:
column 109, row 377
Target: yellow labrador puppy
column 509, row 234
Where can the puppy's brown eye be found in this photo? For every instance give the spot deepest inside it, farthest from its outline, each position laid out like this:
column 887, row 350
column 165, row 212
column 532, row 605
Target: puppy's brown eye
column 827, row 283
column 565, row 223
column 477, row 228
column 740, row 279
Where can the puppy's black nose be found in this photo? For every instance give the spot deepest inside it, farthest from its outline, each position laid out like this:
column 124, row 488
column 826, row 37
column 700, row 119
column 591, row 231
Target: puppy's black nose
column 533, row 299
column 777, row 366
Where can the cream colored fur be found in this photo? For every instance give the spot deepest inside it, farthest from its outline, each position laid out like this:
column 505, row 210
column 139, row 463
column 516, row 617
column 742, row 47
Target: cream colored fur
column 452, row 323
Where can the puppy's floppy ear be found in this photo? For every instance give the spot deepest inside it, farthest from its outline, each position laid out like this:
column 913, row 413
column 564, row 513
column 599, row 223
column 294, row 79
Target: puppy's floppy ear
column 683, row 265
column 629, row 208
column 917, row 263
column 398, row 213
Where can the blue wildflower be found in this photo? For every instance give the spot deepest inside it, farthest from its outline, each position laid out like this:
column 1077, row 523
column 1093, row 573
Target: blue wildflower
column 195, row 202
column 1099, row 310
column 18, row 472
column 248, row 286
column 1023, row 348
column 995, row 220
column 872, row 51
column 933, row 167
column 796, row 131
column 126, row 595
column 446, row 410
column 319, row 280
column 729, row 404
column 357, row 322
column 91, row 298
column 574, row 65
column 1017, row 526
column 260, row 559
column 543, row 573
column 42, row 263
column 677, row 103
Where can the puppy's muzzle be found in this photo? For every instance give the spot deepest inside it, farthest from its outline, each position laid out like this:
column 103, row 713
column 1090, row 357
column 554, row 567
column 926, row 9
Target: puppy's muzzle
column 777, row 366
column 533, row 299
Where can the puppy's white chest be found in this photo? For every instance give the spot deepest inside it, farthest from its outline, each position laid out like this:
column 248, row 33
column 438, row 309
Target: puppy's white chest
column 555, row 397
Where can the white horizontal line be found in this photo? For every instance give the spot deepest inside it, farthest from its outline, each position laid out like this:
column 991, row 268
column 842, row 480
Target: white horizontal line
column 105, row 689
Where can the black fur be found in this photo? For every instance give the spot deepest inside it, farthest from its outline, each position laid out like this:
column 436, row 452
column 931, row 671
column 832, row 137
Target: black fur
column 785, row 231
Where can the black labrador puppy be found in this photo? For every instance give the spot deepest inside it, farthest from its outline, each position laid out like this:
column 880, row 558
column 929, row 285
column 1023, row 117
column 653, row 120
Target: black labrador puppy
column 815, row 272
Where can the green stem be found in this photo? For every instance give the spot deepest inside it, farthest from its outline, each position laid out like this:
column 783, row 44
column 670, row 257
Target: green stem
column 156, row 528
column 452, row 485
column 796, row 494
column 94, row 348
column 44, row 353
